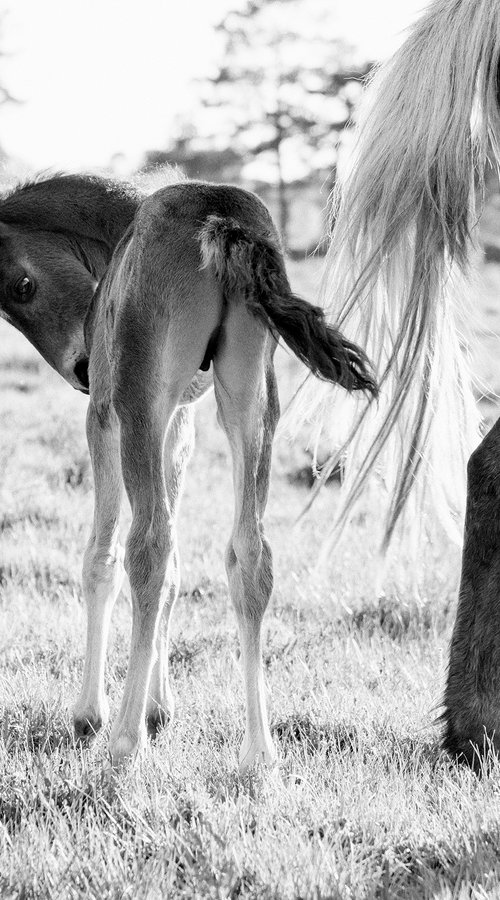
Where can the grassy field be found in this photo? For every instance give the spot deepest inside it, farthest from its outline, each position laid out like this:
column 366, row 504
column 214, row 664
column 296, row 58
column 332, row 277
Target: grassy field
column 362, row 805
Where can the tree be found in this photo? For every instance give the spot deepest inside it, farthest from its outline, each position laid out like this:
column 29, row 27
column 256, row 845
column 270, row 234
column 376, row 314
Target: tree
column 284, row 90
column 5, row 95
column 198, row 163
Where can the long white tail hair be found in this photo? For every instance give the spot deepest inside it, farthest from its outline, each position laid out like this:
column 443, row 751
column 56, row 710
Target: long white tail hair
column 402, row 235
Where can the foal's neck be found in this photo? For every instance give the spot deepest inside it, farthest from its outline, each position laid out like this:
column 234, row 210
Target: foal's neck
column 92, row 212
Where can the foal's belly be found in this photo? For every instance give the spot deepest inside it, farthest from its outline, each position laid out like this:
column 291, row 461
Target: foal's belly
column 200, row 385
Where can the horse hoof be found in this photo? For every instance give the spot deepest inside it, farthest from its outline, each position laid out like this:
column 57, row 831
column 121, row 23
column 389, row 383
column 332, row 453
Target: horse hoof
column 478, row 753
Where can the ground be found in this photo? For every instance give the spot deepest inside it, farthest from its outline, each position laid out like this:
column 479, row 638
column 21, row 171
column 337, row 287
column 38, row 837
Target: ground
column 362, row 804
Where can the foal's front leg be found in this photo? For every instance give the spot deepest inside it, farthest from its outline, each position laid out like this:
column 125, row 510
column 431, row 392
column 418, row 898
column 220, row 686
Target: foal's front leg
column 472, row 698
column 102, row 567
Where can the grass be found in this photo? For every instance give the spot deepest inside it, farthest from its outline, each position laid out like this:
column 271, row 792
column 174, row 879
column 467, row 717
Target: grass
column 362, row 805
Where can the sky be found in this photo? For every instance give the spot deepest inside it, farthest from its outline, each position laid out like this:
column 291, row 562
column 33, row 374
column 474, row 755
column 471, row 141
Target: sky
column 105, row 77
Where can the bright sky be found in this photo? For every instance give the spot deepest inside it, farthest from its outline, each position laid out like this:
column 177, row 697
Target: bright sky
column 101, row 77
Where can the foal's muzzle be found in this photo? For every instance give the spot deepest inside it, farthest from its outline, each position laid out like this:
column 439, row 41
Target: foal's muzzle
column 81, row 371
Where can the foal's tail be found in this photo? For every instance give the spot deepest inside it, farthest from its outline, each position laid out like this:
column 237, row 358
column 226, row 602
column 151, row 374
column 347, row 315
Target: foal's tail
column 402, row 225
column 253, row 265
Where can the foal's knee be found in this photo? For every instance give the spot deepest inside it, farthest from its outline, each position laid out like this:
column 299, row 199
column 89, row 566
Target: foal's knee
column 102, row 567
column 245, row 550
column 148, row 547
column 249, row 567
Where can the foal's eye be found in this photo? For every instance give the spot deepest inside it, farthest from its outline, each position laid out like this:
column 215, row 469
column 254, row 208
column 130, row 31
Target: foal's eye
column 24, row 288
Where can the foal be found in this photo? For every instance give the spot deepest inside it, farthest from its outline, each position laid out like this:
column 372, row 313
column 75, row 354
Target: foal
column 196, row 282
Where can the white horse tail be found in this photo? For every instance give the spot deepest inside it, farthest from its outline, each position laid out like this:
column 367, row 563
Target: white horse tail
column 403, row 224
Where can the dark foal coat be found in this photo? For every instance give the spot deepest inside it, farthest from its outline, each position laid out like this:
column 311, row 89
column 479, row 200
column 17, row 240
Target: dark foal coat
column 137, row 298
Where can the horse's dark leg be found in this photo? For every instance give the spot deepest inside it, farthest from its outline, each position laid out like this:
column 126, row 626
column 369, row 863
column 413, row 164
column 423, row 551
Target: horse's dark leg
column 472, row 697
column 102, row 567
column 179, row 443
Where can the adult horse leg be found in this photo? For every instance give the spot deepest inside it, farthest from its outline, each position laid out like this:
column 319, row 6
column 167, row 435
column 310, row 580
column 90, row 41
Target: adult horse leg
column 472, row 697
column 178, row 447
column 102, row 567
column 248, row 407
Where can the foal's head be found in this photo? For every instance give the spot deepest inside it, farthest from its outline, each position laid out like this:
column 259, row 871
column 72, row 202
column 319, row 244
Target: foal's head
column 57, row 237
column 45, row 292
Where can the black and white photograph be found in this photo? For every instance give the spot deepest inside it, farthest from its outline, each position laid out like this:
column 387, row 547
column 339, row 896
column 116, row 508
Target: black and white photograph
column 249, row 450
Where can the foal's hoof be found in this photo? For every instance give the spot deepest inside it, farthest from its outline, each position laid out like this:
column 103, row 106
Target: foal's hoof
column 156, row 721
column 89, row 718
column 86, row 727
column 159, row 713
column 257, row 752
column 124, row 748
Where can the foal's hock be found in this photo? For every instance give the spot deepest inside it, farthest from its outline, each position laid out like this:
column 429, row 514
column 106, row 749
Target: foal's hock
column 198, row 281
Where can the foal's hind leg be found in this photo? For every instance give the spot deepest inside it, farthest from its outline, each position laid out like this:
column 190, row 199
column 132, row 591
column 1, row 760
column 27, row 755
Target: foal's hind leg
column 248, row 407
column 102, row 568
column 179, row 443
column 472, row 698
column 149, row 556
column 149, row 449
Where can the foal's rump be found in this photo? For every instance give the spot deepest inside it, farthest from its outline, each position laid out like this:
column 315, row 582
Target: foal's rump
column 251, row 264
column 165, row 312
column 197, row 249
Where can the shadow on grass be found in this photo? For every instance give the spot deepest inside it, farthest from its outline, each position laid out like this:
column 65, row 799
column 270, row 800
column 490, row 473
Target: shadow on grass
column 399, row 620
column 408, row 870
column 38, row 575
column 427, row 870
column 315, row 737
column 383, row 744
column 9, row 520
column 185, row 654
column 37, row 731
